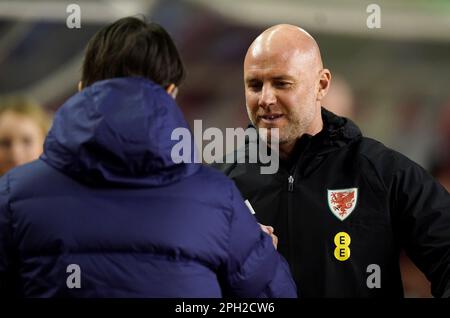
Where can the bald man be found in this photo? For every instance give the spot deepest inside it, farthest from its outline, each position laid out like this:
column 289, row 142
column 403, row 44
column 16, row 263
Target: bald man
column 342, row 205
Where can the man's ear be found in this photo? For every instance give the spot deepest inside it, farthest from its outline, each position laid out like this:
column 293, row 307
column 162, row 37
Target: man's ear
column 172, row 90
column 80, row 86
column 324, row 83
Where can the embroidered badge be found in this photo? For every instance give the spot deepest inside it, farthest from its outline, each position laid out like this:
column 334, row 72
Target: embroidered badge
column 342, row 202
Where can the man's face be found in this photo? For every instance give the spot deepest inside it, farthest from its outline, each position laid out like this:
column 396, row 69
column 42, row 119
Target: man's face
column 21, row 140
column 281, row 92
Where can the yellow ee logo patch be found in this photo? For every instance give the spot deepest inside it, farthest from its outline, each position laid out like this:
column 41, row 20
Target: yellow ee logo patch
column 342, row 241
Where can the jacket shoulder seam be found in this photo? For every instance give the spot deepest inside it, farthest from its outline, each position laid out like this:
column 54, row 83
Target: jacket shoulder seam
column 378, row 174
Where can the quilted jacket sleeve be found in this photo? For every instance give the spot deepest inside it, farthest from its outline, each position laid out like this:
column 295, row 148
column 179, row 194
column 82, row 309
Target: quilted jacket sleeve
column 254, row 268
column 423, row 206
column 8, row 265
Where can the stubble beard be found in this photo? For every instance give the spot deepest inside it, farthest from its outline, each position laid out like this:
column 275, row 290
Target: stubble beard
column 296, row 126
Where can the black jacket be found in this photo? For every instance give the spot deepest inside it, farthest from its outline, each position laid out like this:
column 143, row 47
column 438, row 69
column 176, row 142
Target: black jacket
column 389, row 202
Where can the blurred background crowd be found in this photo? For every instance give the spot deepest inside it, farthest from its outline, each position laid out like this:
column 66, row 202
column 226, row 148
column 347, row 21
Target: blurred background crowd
column 393, row 81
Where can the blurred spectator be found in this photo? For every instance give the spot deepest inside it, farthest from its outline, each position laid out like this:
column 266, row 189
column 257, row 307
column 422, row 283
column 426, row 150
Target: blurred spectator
column 415, row 284
column 441, row 171
column 339, row 98
column 442, row 166
column 23, row 127
column 412, row 118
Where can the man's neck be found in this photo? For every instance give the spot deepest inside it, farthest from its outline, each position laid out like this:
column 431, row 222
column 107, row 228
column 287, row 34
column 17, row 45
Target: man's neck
column 286, row 149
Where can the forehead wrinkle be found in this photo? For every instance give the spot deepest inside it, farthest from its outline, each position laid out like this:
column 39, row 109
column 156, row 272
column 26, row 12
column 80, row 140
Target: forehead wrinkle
column 289, row 64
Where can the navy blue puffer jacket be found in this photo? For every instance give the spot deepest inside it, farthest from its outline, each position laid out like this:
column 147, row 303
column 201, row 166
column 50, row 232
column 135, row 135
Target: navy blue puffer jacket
column 105, row 211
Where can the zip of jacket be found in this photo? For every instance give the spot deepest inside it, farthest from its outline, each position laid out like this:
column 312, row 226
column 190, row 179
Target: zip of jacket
column 291, row 208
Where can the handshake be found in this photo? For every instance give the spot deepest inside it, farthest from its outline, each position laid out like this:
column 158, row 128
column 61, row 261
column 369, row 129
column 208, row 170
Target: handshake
column 266, row 228
column 269, row 230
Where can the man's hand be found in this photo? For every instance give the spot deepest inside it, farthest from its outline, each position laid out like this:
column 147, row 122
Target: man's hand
column 269, row 230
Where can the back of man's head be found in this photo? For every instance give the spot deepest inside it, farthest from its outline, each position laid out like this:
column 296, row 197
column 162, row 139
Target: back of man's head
column 132, row 47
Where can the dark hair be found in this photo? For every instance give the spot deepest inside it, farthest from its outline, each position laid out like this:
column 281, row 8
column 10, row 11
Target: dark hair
column 132, row 47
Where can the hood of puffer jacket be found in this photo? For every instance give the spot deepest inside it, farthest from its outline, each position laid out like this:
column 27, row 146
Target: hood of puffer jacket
column 118, row 132
column 338, row 132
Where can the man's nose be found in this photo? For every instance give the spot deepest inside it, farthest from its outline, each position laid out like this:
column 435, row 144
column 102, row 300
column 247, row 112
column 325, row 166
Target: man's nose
column 267, row 97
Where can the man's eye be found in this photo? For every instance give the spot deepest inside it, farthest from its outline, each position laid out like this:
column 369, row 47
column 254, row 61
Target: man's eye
column 254, row 87
column 5, row 143
column 282, row 84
